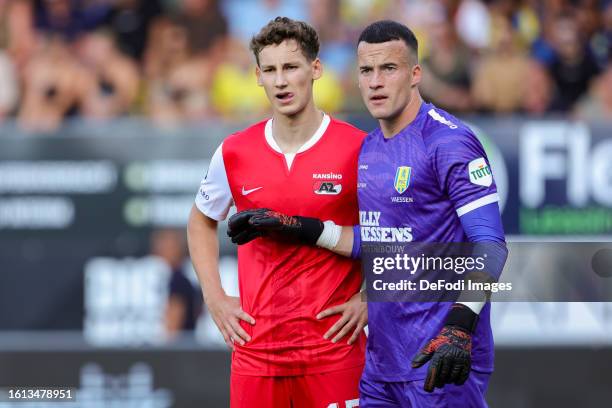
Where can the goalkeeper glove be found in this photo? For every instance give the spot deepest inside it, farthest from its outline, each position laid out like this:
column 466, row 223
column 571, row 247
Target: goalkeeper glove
column 247, row 225
column 450, row 351
column 239, row 229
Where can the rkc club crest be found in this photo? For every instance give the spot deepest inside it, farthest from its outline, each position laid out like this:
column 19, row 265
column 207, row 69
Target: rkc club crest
column 402, row 178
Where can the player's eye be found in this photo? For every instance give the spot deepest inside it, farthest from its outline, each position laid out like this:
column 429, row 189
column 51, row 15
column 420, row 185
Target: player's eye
column 291, row 67
column 365, row 70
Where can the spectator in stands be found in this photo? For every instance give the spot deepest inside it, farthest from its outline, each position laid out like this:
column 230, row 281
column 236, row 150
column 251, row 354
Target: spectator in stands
column 193, row 71
column 130, row 22
column 113, row 79
column 473, row 23
column 526, row 21
column 234, row 92
column 587, row 14
column 498, row 80
column 358, row 13
column 184, row 299
column 597, row 104
column 17, row 35
column 446, row 75
column 601, row 41
column 537, row 89
column 54, row 86
column 178, row 81
column 9, row 86
column 337, row 49
column 337, row 54
column 69, row 18
column 328, row 92
column 245, row 17
column 574, row 65
column 206, row 26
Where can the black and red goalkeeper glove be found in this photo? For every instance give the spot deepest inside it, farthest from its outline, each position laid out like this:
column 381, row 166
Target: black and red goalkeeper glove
column 239, row 229
column 247, row 225
column 450, row 351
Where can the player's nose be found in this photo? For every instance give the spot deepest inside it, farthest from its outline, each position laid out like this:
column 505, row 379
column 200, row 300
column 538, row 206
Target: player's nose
column 376, row 81
column 280, row 80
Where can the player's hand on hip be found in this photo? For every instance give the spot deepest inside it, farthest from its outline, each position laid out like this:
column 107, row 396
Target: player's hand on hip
column 353, row 318
column 227, row 313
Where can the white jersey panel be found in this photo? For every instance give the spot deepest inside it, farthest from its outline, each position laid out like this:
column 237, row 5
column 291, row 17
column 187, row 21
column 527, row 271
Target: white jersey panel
column 214, row 198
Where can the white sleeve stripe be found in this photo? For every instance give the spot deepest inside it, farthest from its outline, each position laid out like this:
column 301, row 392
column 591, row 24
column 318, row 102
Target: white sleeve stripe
column 482, row 201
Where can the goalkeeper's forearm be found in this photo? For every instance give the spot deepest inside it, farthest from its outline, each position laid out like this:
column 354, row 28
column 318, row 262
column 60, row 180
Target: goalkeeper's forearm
column 250, row 224
column 348, row 242
column 484, row 229
column 344, row 246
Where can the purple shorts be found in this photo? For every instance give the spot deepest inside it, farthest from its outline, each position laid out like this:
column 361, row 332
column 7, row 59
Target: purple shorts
column 410, row 394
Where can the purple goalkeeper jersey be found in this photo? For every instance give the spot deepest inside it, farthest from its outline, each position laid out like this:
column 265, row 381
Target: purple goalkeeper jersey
column 414, row 187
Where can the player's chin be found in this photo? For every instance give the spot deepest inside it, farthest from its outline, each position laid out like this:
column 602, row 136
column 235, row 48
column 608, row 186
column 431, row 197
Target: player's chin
column 378, row 112
column 289, row 109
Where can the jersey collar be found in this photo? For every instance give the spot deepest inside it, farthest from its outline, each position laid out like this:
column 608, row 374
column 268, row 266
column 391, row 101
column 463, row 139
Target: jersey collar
column 309, row 143
column 415, row 122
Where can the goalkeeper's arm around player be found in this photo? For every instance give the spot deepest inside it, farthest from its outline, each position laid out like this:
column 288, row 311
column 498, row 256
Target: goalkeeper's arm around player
column 449, row 353
column 248, row 225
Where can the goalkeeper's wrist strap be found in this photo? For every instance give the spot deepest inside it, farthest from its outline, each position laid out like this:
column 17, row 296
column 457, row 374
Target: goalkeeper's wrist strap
column 475, row 306
column 330, row 236
column 462, row 316
column 310, row 230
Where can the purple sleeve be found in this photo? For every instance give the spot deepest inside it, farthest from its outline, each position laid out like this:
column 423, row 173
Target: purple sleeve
column 463, row 171
column 483, row 226
column 356, row 251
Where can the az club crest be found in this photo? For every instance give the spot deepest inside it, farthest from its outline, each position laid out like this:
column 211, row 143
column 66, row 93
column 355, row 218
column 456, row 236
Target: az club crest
column 402, row 178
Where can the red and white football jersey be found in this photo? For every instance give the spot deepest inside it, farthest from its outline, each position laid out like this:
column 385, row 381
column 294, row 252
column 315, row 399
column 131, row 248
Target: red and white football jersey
column 284, row 286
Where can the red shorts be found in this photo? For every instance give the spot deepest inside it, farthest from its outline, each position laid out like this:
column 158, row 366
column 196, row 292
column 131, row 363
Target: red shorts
column 337, row 389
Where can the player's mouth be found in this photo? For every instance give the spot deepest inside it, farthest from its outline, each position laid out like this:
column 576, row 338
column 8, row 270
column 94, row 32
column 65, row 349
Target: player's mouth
column 378, row 99
column 285, row 97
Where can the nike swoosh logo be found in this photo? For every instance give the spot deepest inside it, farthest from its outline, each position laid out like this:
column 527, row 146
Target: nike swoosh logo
column 247, row 192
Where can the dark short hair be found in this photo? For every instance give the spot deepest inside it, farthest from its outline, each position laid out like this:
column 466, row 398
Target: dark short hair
column 389, row 30
column 284, row 28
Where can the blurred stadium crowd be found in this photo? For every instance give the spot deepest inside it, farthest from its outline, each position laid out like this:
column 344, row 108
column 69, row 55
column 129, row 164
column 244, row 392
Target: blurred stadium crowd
column 176, row 61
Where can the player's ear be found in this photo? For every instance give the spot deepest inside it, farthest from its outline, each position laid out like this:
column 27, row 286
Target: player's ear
column 317, row 68
column 258, row 75
column 416, row 75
